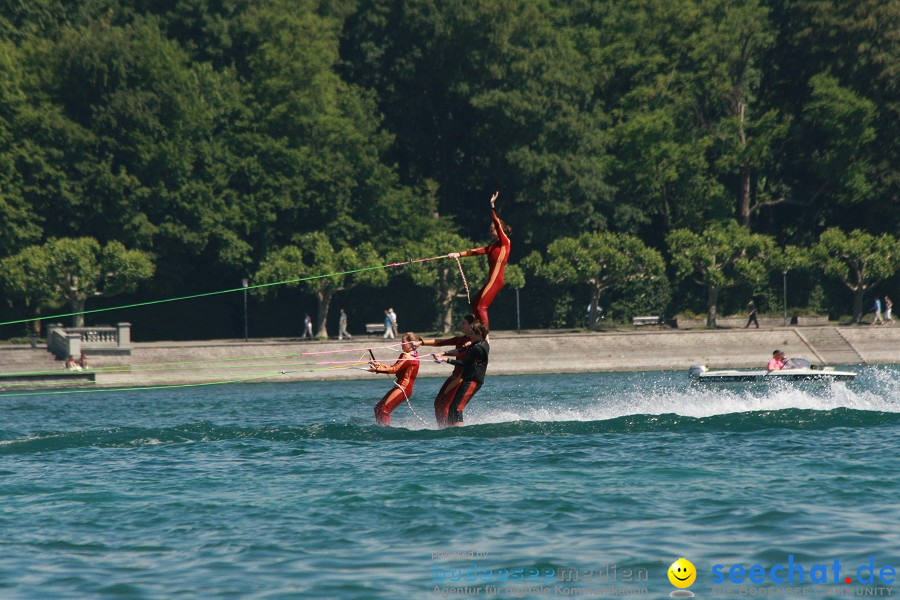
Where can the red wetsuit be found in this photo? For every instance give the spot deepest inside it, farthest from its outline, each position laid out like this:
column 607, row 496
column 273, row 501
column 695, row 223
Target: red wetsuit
column 474, row 366
column 448, row 390
column 406, row 368
column 498, row 256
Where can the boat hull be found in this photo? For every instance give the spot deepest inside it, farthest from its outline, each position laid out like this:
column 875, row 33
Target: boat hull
column 791, row 375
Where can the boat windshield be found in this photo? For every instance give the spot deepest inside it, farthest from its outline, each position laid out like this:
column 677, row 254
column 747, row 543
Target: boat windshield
column 796, row 363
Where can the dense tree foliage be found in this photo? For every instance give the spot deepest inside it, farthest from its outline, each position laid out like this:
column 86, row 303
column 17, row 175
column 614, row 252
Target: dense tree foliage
column 858, row 260
column 72, row 271
column 231, row 138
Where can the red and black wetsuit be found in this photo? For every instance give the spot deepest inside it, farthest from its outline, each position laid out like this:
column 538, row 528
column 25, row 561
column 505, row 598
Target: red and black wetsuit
column 406, row 368
column 448, row 390
column 498, row 256
column 474, row 366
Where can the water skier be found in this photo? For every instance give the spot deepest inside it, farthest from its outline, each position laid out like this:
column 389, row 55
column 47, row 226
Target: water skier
column 406, row 368
column 498, row 255
column 448, row 390
column 474, row 367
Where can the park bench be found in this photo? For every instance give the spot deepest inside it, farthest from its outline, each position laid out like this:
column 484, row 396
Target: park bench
column 372, row 328
column 647, row 320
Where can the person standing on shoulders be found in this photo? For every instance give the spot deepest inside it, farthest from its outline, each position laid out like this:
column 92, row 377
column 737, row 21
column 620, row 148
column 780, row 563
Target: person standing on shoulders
column 498, row 255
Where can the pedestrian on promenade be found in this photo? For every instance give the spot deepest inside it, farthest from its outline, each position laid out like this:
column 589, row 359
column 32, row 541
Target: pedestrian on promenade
column 388, row 325
column 307, row 328
column 393, row 321
column 888, row 307
column 877, row 309
column 342, row 327
column 752, row 319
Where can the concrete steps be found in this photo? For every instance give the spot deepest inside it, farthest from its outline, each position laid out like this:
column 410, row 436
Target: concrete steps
column 830, row 346
column 23, row 358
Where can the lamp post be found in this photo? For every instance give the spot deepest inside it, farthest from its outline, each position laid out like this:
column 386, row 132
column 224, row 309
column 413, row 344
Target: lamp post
column 784, row 299
column 518, row 320
column 245, row 282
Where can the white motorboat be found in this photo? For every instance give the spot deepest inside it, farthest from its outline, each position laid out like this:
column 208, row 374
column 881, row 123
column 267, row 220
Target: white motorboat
column 795, row 369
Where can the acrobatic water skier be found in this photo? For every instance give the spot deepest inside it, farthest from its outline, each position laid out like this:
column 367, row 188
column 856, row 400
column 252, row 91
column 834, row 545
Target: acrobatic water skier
column 406, row 368
column 448, row 390
column 474, row 367
column 498, row 255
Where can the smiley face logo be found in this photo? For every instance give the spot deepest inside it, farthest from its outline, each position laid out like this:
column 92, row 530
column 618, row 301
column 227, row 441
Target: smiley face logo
column 682, row 573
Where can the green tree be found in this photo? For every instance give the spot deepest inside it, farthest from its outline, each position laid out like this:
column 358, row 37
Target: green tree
column 827, row 50
column 842, row 123
column 318, row 140
column 18, row 224
column 73, row 270
column 314, row 257
column 726, row 51
column 442, row 275
column 722, row 256
column 603, row 261
column 26, row 281
column 489, row 91
column 859, row 260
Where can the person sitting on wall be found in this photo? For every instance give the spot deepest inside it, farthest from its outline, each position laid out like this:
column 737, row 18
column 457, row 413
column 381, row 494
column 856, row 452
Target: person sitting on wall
column 71, row 365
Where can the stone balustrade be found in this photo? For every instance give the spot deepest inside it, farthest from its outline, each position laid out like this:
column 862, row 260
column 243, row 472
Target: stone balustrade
column 101, row 339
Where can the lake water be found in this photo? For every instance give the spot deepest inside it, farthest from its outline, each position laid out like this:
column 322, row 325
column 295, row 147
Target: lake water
column 563, row 485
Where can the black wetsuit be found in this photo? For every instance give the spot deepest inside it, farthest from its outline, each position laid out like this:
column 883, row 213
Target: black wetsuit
column 474, row 367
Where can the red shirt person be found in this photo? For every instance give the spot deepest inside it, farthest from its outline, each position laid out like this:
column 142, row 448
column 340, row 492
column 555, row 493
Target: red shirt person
column 498, row 255
column 406, row 369
column 777, row 361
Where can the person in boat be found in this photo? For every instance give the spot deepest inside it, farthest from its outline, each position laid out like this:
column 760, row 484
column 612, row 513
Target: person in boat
column 498, row 255
column 777, row 361
column 474, row 367
column 406, row 368
column 448, row 390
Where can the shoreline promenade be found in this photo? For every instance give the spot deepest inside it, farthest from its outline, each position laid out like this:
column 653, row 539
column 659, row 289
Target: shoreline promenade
column 528, row 352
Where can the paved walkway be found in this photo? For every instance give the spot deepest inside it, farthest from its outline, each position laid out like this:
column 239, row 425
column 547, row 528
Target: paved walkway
column 162, row 363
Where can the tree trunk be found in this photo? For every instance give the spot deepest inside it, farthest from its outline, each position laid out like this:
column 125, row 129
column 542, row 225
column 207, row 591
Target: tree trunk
column 712, row 301
column 78, row 309
column 594, row 313
column 448, row 296
column 744, row 194
column 858, row 303
column 324, row 302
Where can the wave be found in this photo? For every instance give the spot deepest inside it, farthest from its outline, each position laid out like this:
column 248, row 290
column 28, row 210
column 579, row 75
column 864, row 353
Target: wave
column 205, row 432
